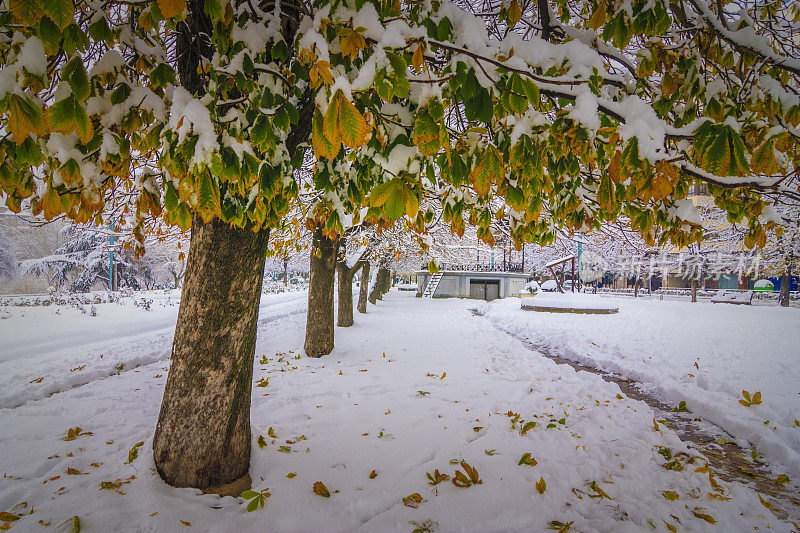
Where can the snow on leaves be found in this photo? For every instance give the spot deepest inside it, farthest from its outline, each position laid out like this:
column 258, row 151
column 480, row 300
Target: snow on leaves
column 560, row 134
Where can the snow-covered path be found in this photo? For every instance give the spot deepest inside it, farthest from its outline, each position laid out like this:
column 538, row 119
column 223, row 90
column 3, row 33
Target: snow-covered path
column 416, row 386
column 704, row 354
column 47, row 349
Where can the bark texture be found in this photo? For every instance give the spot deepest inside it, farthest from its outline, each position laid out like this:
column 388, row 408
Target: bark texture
column 319, row 324
column 786, row 282
column 344, row 314
column 203, row 434
column 363, row 287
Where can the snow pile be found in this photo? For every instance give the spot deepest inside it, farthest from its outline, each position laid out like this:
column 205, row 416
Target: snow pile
column 570, row 300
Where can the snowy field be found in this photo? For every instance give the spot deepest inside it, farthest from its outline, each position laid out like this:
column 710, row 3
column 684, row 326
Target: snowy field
column 704, row 354
column 416, row 386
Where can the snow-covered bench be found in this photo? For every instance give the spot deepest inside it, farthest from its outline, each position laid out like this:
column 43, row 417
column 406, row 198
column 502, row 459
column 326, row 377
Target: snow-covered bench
column 733, row 297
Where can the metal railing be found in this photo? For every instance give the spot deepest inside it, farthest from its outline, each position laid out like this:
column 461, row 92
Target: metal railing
column 482, row 266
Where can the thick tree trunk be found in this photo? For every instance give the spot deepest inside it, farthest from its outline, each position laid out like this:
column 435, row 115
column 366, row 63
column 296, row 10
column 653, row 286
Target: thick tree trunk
column 786, row 282
column 203, row 434
column 319, row 325
column 694, row 290
column 363, row 287
column 344, row 315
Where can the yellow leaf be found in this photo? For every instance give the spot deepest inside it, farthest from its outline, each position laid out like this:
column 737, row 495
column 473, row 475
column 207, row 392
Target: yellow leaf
column 514, row 13
column 51, row 204
column 352, row 126
column 28, row 12
column 291, row 475
column 321, row 71
column 541, row 485
column 707, row 518
column 171, row 8
column 417, row 58
column 24, row 118
column 599, row 16
column 321, row 490
column 412, row 207
column 412, row 500
column 351, row 42
column 488, row 170
column 323, row 147
column 331, row 123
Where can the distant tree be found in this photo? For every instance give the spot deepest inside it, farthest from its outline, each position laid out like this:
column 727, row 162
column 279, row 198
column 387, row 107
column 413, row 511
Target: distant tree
column 8, row 257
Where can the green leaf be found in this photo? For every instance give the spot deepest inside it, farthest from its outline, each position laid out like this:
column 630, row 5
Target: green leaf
column 253, row 505
column 59, row 11
column 68, row 115
column 395, row 204
column 50, row 35
column 170, row 197
column 213, row 8
column 183, row 216
column 605, row 193
column 134, row 452
column 527, row 459
column 379, row 194
column 426, row 133
column 75, row 74
column 162, row 75
column 83, row 125
column 517, row 102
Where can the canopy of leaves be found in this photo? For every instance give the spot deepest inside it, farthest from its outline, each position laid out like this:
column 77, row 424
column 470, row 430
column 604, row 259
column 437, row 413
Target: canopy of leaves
column 564, row 118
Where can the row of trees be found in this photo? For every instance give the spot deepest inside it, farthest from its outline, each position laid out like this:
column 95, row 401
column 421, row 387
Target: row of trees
column 215, row 115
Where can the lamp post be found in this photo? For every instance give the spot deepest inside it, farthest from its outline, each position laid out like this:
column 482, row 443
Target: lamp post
column 111, row 257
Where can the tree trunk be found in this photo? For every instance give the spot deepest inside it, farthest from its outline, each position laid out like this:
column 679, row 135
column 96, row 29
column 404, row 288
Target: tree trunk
column 203, row 434
column 363, row 287
column 694, row 291
column 786, row 282
column 344, row 315
column 319, row 325
column 373, row 294
column 285, row 270
column 380, row 282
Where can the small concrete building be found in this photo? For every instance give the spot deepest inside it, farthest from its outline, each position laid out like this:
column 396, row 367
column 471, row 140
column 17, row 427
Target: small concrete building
column 477, row 285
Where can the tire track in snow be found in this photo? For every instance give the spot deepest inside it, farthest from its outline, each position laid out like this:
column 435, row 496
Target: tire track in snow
column 130, row 352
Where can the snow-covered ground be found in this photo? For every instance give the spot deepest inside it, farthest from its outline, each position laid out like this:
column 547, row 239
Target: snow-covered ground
column 418, row 385
column 704, row 354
